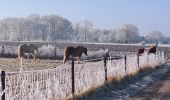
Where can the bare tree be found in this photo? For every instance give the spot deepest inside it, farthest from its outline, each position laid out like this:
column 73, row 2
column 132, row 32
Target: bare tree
column 87, row 26
column 77, row 29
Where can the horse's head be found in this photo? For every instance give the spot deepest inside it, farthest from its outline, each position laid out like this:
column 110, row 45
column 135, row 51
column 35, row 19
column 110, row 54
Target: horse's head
column 33, row 48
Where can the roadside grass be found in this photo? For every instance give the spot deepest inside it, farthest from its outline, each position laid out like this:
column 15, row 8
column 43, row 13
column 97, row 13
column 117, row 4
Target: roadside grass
column 116, row 83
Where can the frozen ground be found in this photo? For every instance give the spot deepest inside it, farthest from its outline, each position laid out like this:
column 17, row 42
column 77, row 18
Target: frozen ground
column 133, row 90
column 12, row 64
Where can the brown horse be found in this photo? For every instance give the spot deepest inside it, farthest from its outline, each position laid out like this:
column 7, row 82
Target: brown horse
column 24, row 49
column 74, row 52
column 152, row 49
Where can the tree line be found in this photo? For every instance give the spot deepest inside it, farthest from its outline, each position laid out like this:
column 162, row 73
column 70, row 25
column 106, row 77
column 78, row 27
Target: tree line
column 56, row 28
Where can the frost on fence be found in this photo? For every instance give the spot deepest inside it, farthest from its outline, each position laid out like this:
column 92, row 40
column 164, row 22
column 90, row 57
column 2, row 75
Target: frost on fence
column 41, row 84
column 151, row 60
column 132, row 64
column 53, row 83
column 89, row 75
column 116, row 68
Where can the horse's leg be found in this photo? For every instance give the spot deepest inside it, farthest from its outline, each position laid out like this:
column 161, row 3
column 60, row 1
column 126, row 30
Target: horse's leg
column 18, row 58
column 78, row 60
column 64, row 60
column 34, row 57
column 37, row 58
column 28, row 57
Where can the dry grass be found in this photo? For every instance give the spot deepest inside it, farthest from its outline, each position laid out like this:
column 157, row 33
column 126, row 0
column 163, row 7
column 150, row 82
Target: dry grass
column 12, row 64
column 116, row 82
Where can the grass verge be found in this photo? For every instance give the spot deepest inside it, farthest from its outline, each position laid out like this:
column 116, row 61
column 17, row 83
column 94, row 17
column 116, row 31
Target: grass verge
column 116, row 83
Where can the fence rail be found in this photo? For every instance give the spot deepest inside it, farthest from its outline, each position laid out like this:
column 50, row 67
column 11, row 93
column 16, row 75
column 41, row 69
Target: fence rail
column 71, row 79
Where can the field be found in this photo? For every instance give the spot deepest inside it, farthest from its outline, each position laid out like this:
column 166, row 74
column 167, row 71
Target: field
column 49, row 57
column 57, row 81
column 11, row 47
column 13, row 64
column 47, row 52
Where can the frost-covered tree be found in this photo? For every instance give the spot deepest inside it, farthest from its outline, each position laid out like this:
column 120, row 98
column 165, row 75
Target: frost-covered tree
column 155, row 37
column 59, row 28
column 83, row 30
column 4, row 26
column 77, row 31
column 87, row 25
column 35, row 27
column 93, row 35
column 127, row 34
column 56, row 28
column 107, row 36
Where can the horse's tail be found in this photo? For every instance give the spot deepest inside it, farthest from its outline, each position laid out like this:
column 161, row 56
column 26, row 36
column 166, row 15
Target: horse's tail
column 65, row 56
column 20, row 52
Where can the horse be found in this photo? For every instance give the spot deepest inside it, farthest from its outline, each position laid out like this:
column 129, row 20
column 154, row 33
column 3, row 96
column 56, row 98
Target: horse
column 24, row 49
column 152, row 49
column 74, row 52
column 141, row 51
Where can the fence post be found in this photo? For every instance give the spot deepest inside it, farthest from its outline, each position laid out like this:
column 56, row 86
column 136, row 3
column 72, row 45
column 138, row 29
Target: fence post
column 3, row 84
column 138, row 60
column 125, row 62
column 72, row 76
column 105, row 68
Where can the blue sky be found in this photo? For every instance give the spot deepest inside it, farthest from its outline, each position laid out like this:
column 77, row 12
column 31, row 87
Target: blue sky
column 147, row 15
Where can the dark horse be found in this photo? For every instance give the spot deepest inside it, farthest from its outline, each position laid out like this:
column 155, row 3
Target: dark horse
column 24, row 49
column 74, row 52
column 152, row 49
column 141, row 51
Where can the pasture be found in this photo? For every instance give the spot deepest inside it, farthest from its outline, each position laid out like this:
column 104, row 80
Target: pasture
column 11, row 47
column 13, row 64
column 50, row 79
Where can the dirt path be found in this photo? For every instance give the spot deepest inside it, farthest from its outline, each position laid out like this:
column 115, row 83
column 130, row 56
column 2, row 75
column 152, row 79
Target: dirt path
column 159, row 90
